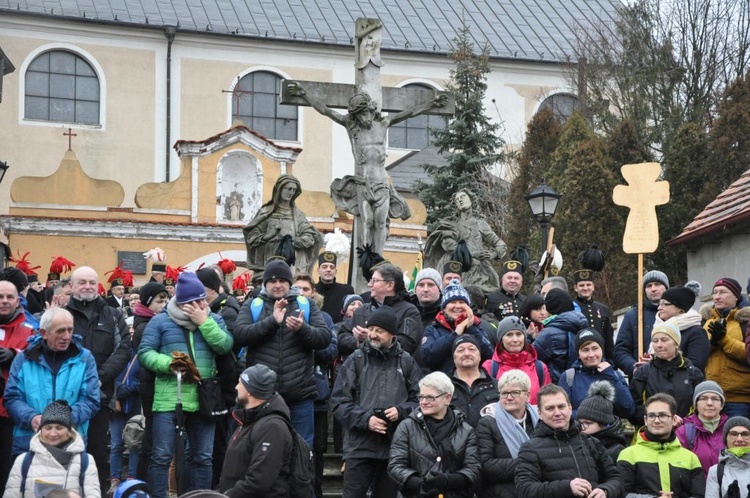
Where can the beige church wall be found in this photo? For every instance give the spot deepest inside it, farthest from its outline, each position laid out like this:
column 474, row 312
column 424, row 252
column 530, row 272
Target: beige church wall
column 202, row 81
column 122, row 149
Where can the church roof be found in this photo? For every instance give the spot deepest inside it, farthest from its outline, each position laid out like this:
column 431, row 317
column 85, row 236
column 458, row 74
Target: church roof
column 409, row 169
column 534, row 30
column 727, row 213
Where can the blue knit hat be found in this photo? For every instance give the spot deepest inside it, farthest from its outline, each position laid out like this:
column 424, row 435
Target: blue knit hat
column 454, row 291
column 349, row 299
column 189, row 288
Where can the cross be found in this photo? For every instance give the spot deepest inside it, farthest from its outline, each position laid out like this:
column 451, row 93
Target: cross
column 238, row 93
column 368, row 194
column 70, row 136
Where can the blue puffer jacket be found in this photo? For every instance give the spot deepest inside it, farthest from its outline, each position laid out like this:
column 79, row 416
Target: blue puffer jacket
column 127, row 392
column 582, row 379
column 555, row 345
column 32, row 386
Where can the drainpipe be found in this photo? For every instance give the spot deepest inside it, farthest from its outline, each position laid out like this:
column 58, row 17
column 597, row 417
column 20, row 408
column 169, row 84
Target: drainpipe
column 169, row 32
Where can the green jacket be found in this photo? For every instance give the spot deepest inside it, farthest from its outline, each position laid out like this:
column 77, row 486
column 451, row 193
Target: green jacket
column 649, row 467
column 163, row 336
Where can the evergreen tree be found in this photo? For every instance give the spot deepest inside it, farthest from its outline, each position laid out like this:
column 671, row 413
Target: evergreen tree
column 534, row 160
column 730, row 136
column 471, row 141
column 575, row 130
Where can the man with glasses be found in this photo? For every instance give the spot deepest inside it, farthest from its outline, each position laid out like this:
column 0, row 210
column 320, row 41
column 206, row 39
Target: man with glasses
column 376, row 388
column 560, row 461
column 731, row 476
column 386, row 289
column 657, row 465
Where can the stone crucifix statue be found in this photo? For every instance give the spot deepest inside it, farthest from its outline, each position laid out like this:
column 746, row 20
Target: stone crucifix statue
column 368, row 194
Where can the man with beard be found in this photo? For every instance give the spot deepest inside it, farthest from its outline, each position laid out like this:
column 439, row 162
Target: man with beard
column 257, row 462
column 333, row 292
column 626, row 348
column 107, row 336
column 377, row 387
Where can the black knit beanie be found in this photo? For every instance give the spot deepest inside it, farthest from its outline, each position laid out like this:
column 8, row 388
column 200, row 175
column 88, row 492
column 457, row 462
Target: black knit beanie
column 558, row 301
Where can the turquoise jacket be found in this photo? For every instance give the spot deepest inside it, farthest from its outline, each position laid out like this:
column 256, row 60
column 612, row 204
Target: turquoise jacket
column 163, row 336
column 32, row 386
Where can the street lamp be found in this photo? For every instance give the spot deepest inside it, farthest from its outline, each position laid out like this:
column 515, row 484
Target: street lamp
column 543, row 203
column 3, row 168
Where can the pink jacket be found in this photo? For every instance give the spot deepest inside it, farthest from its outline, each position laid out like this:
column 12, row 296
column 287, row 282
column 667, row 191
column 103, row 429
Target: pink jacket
column 707, row 445
column 524, row 361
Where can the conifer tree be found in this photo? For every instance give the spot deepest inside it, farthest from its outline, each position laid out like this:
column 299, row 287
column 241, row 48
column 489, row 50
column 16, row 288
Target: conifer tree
column 471, row 141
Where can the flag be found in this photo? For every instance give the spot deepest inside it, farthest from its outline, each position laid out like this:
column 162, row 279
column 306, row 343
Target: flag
column 415, row 271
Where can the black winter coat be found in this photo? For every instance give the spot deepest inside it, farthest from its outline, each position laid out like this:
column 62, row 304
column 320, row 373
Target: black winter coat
column 228, row 307
column 334, row 294
column 146, row 377
column 409, row 333
column 259, row 453
column 551, row 459
column 414, row 452
column 289, row 354
column 677, row 378
column 371, row 380
column 498, row 465
column 471, row 400
column 106, row 335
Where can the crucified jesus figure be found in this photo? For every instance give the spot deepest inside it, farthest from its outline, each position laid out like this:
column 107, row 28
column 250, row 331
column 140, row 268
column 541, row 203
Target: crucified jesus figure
column 368, row 194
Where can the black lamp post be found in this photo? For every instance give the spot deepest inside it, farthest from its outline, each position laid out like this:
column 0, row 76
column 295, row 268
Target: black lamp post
column 543, row 203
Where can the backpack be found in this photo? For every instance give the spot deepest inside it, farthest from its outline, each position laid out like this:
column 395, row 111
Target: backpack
column 690, row 435
column 301, row 477
column 256, row 306
column 359, row 361
column 539, row 370
column 132, row 433
column 26, row 465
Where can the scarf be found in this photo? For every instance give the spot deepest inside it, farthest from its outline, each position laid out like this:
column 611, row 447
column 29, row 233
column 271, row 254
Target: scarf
column 710, row 425
column 450, row 323
column 512, row 432
column 180, row 318
column 739, row 452
column 60, row 452
column 141, row 309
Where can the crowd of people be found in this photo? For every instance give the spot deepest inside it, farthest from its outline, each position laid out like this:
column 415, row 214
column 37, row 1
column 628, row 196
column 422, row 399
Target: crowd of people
column 445, row 391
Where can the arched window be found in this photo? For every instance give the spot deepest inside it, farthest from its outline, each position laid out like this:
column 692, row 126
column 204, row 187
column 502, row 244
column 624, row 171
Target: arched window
column 562, row 105
column 62, row 86
column 257, row 94
column 414, row 133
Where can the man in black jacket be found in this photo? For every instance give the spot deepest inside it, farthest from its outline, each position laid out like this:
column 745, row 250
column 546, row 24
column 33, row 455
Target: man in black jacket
column 386, row 288
column 376, row 388
column 282, row 330
column 333, row 292
column 474, row 386
column 257, row 460
column 560, row 461
column 107, row 336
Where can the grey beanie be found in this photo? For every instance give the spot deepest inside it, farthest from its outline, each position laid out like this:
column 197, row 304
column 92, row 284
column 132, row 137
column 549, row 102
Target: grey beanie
column 655, row 276
column 429, row 273
column 735, row 422
column 507, row 324
column 598, row 405
column 259, row 380
column 708, row 386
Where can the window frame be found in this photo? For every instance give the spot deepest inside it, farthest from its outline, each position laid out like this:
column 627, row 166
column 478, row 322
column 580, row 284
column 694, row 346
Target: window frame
column 404, row 125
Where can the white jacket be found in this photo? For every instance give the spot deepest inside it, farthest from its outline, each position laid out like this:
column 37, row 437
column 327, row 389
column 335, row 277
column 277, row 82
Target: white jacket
column 45, row 468
column 736, row 469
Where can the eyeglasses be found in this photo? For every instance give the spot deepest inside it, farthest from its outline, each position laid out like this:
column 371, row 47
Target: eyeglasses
column 511, row 394
column 664, row 304
column 374, row 280
column 735, row 435
column 663, row 417
column 585, row 423
column 430, row 398
column 713, row 399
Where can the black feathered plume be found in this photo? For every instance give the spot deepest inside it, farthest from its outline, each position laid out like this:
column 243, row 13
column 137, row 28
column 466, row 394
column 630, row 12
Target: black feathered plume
column 367, row 259
column 521, row 254
column 462, row 255
column 285, row 249
column 592, row 258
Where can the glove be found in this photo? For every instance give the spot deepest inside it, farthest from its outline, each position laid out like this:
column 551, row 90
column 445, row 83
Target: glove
column 718, row 331
column 435, row 481
column 424, row 493
column 6, row 357
column 182, row 361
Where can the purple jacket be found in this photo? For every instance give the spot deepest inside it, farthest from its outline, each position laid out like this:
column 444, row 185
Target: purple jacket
column 707, row 445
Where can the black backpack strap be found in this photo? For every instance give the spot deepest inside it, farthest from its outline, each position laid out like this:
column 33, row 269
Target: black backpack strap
column 720, row 475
